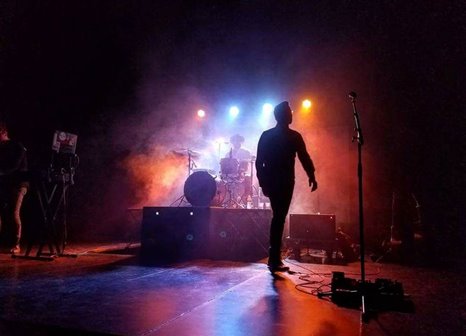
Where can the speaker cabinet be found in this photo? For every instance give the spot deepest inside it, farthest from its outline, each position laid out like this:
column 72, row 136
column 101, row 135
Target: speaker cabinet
column 171, row 234
column 313, row 228
column 239, row 234
column 174, row 233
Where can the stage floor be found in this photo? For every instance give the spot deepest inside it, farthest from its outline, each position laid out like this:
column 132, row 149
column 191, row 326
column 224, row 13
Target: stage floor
column 101, row 293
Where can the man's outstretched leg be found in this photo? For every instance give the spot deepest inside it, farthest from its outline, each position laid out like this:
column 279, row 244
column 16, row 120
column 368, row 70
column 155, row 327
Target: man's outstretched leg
column 280, row 202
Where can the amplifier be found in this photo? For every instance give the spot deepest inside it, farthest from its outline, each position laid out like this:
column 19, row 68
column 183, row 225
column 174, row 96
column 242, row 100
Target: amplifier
column 318, row 228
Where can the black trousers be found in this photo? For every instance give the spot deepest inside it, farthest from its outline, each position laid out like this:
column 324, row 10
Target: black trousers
column 280, row 200
column 11, row 200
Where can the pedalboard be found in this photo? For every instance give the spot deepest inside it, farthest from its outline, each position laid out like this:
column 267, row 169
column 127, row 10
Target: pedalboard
column 348, row 291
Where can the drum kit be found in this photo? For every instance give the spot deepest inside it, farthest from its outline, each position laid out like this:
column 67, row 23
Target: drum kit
column 231, row 188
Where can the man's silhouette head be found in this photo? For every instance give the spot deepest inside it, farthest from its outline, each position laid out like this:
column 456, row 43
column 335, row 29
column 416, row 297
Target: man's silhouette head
column 283, row 114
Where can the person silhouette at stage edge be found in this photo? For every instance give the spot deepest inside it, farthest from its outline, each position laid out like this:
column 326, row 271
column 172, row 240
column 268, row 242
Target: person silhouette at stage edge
column 276, row 152
column 13, row 182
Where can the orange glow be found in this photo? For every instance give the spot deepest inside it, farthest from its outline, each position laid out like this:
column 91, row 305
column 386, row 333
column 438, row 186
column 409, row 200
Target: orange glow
column 307, row 104
column 156, row 176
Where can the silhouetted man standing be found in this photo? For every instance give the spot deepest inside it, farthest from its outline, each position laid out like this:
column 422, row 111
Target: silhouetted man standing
column 276, row 154
column 13, row 181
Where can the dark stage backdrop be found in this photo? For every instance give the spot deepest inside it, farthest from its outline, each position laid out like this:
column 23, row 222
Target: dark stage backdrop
column 113, row 73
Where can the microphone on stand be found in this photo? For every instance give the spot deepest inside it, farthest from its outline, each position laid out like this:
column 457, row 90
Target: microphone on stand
column 352, row 95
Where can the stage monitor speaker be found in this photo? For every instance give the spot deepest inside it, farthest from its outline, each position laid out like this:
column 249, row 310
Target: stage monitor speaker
column 313, row 228
column 171, row 234
column 239, row 234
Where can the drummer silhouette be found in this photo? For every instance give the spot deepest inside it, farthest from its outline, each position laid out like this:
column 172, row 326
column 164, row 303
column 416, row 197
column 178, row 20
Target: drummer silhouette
column 242, row 158
column 237, row 151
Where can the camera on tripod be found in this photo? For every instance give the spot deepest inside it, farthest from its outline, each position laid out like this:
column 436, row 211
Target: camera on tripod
column 64, row 160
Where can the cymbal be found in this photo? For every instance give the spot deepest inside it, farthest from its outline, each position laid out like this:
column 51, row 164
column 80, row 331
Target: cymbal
column 186, row 152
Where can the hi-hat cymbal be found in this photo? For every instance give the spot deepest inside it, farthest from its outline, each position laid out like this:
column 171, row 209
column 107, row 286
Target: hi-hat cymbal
column 186, row 152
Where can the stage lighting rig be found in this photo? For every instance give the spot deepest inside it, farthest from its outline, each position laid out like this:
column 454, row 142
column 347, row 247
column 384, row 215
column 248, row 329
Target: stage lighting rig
column 267, row 109
column 306, row 104
column 234, row 112
column 201, row 114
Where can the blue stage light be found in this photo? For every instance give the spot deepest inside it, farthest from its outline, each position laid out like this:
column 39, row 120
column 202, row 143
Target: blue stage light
column 234, row 111
column 267, row 109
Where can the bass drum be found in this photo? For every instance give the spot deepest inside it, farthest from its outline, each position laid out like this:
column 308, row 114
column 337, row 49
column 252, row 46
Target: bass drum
column 200, row 188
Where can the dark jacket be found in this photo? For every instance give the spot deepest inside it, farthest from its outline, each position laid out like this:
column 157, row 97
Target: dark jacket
column 13, row 164
column 276, row 154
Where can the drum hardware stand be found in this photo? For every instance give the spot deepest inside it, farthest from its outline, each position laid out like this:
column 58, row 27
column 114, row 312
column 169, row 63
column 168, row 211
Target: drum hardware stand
column 251, row 190
column 180, row 200
column 232, row 201
column 391, row 241
column 191, row 164
column 52, row 191
column 394, row 242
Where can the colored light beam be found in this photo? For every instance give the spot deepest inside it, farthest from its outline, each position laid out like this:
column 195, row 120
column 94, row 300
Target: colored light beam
column 307, row 104
column 201, row 114
column 234, row 111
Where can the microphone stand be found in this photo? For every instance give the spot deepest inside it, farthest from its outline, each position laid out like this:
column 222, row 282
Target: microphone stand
column 359, row 138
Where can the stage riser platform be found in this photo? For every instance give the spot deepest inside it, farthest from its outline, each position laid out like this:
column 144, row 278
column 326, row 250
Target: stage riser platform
column 183, row 233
